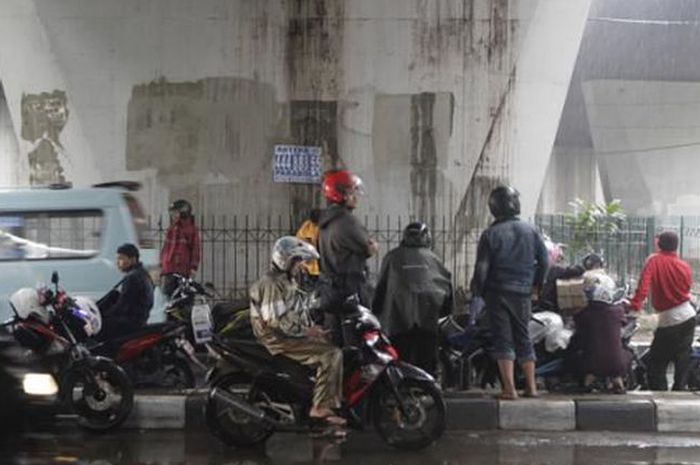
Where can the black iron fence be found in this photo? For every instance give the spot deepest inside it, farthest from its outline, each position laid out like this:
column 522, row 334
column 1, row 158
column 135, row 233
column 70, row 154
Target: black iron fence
column 236, row 250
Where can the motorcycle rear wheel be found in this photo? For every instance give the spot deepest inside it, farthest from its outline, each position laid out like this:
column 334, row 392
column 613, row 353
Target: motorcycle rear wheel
column 425, row 419
column 232, row 428
column 99, row 392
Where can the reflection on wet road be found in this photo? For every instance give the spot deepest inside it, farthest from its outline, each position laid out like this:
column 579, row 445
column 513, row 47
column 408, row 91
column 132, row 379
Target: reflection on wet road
column 170, row 448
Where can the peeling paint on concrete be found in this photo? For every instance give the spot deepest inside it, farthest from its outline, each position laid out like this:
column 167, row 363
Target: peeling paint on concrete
column 43, row 118
column 220, row 128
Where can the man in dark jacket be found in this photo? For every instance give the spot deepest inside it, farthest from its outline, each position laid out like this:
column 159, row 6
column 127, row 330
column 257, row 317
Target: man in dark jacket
column 413, row 291
column 344, row 245
column 511, row 260
column 126, row 308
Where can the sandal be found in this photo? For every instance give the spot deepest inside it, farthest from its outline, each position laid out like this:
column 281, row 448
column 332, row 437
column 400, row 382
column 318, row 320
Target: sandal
column 504, row 396
column 330, row 420
column 531, row 395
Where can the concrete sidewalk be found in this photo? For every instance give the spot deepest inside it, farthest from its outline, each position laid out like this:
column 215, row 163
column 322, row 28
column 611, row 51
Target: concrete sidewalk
column 637, row 411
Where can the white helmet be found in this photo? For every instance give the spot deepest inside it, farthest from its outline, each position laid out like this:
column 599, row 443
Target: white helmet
column 289, row 249
column 25, row 301
column 89, row 313
column 599, row 287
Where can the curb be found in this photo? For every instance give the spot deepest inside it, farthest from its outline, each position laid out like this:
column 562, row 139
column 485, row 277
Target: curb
column 635, row 412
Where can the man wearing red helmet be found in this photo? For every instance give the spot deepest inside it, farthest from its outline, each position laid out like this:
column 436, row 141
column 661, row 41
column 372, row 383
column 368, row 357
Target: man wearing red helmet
column 344, row 245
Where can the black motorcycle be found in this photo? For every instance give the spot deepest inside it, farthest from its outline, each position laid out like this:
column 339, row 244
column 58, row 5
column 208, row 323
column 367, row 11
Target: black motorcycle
column 261, row 394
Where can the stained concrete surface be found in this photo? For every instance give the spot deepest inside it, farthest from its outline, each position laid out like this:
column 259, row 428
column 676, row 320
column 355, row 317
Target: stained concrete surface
column 510, row 447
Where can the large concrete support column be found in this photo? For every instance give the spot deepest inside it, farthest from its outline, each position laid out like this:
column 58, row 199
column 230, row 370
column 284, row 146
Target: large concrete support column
column 542, row 77
column 9, row 151
column 52, row 144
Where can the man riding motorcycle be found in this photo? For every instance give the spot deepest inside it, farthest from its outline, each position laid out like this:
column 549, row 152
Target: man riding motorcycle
column 281, row 320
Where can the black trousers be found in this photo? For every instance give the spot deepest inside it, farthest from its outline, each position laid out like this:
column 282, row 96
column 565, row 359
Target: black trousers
column 417, row 347
column 671, row 344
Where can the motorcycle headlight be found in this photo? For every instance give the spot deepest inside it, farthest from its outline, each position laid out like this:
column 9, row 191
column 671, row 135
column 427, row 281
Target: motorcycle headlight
column 39, row 384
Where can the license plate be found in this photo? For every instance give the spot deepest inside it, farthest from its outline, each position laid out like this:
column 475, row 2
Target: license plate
column 201, row 323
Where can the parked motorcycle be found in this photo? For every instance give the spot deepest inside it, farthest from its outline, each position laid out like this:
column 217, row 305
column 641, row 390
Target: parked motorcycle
column 262, row 394
column 159, row 354
column 55, row 326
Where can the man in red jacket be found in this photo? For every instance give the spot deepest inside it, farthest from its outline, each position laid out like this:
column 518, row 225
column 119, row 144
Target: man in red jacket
column 181, row 250
column 670, row 279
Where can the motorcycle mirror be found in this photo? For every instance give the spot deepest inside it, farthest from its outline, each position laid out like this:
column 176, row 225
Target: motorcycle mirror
column 54, row 277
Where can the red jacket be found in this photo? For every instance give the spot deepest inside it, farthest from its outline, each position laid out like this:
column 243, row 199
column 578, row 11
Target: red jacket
column 180, row 252
column 670, row 279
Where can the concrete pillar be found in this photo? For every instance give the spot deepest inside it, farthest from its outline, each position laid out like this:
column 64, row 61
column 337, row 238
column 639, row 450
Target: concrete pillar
column 9, row 150
column 542, row 77
column 47, row 126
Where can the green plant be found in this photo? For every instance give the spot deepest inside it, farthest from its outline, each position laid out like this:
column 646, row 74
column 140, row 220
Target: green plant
column 591, row 220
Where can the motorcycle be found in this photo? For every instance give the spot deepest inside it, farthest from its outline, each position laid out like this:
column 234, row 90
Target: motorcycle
column 56, row 327
column 159, row 354
column 262, row 394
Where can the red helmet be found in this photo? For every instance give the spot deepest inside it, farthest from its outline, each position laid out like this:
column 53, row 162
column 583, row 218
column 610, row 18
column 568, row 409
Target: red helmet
column 338, row 183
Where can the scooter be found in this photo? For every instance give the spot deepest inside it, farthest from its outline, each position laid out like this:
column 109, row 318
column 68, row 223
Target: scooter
column 262, row 394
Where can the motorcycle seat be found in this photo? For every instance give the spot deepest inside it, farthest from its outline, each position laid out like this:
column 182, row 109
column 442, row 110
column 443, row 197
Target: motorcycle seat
column 253, row 350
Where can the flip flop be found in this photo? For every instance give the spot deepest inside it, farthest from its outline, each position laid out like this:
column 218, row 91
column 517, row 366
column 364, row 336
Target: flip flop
column 330, row 420
column 531, row 395
column 503, row 396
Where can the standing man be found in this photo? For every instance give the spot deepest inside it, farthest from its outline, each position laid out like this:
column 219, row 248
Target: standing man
column 670, row 279
column 344, row 245
column 511, row 260
column 180, row 253
column 125, row 309
column 414, row 290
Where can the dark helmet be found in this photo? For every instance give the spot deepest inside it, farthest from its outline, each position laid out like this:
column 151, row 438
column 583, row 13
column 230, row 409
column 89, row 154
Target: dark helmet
column 504, row 202
column 339, row 183
column 417, row 234
column 593, row 261
column 181, row 206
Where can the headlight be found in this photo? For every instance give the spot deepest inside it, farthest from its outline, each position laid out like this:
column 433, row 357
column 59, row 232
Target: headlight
column 39, row 384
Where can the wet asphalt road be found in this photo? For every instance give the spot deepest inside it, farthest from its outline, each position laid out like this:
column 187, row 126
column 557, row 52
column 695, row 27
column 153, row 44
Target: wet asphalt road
column 492, row 448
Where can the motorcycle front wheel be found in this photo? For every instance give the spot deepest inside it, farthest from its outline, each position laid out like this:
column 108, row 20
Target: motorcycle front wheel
column 423, row 420
column 99, row 392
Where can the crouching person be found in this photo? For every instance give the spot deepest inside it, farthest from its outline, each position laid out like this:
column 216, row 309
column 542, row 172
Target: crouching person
column 598, row 328
column 280, row 317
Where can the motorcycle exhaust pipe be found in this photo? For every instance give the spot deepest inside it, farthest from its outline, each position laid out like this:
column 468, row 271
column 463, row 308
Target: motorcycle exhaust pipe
column 240, row 406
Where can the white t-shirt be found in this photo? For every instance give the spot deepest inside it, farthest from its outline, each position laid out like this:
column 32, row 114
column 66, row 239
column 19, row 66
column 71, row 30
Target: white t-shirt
column 676, row 315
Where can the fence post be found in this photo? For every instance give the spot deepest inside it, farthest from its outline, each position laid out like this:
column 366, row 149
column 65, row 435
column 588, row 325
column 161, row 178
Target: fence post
column 680, row 235
column 651, row 233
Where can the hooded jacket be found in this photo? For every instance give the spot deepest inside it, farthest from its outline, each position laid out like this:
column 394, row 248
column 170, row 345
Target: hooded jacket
column 343, row 245
column 413, row 291
column 180, row 252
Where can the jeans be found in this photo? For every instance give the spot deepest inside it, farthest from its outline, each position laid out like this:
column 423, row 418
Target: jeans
column 509, row 315
column 671, row 344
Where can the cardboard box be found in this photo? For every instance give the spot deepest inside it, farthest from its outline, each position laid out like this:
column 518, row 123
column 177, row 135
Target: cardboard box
column 570, row 294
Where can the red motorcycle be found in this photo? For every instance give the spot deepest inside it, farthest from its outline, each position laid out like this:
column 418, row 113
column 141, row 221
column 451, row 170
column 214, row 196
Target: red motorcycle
column 55, row 326
column 256, row 394
column 157, row 355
